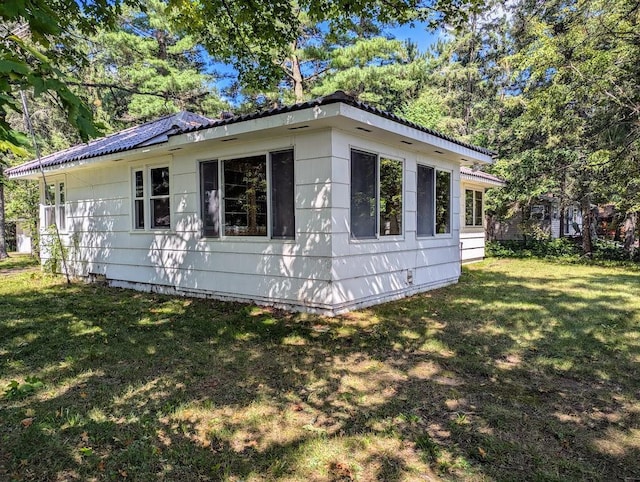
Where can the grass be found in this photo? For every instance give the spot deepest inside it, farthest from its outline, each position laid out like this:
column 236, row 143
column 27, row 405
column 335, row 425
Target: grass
column 525, row 370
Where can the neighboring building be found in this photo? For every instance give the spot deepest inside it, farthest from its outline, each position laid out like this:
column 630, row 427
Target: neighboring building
column 18, row 236
column 23, row 238
column 474, row 184
column 543, row 218
column 322, row 206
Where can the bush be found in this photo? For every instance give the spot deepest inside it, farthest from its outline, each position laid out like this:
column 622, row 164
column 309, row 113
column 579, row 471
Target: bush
column 538, row 248
column 604, row 249
column 569, row 249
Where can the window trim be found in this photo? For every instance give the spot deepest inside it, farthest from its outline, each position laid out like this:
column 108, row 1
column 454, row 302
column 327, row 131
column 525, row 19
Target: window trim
column 379, row 237
column 435, row 234
column 221, row 205
column 146, row 197
column 56, row 205
column 473, row 213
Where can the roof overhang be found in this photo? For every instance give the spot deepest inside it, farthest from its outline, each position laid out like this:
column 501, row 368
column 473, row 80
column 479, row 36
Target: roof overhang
column 481, row 178
column 282, row 122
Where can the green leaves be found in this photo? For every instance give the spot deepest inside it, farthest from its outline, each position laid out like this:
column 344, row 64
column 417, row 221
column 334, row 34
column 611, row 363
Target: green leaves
column 17, row 390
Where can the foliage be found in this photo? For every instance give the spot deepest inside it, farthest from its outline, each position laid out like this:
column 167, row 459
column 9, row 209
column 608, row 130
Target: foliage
column 560, row 248
column 607, row 250
column 143, row 69
column 17, row 390
column 576, row 77
column 36, row 42
column 379, row 71
column 56, row 254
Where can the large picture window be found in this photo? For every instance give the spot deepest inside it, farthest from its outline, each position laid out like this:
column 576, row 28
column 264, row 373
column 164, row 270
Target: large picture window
column 473, row 212
column 151, row 198
column 237, row 192
column 376, row 196
column 245, row 196
column 434, row 201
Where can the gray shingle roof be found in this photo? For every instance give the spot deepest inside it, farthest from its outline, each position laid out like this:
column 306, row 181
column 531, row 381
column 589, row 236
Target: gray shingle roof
column 148, row 134
column 158, row 131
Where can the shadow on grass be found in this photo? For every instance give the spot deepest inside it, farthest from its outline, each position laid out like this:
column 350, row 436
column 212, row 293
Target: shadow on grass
column 503, row 376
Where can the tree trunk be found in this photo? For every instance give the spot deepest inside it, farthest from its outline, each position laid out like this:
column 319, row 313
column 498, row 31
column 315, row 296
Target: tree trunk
column 296, row 77
column 630, row 226
column 3, row 241
column 587, row 222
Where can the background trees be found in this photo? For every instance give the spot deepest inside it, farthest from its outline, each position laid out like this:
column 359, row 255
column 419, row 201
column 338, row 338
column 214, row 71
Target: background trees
column 551, row 86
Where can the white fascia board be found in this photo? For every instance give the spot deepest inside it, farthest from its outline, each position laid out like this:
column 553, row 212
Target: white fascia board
column 286, row 120
column 405, row 131
column 471, row 179
column 123, row 156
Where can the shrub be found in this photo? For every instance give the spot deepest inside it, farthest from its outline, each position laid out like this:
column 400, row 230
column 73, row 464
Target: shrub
column 539, row 248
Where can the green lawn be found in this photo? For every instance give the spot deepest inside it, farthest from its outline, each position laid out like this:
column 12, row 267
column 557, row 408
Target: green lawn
column 525, row 370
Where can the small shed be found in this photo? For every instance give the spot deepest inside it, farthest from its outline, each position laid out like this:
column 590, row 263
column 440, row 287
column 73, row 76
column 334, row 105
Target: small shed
column 321, row 206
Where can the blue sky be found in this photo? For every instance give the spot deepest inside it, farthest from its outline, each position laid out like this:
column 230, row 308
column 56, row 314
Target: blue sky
column 418, row 33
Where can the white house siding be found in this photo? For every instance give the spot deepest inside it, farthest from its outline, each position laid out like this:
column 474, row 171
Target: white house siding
column 472, row 245
column 367, row 272
column 472, row 238
column 290, row 272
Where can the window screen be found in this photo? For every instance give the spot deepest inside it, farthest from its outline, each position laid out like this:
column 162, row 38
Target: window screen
column 159, row 201
column 443, row 202
column 390, row 197
column 425, row 196
column 282, row 195
column 210, row 198
column 363, row 195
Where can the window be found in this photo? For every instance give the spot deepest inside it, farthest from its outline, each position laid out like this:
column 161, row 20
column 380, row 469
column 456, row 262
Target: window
column 473, row 213
column 210, row 198
column 54, row 206
column 244, row 200
column 443, row 202
column 390, row 197
column 376, row 196
column 434, row 201
column 282, row 195
column 138, row 207
column 245, row 196
column 151, row 198
column 425, row 208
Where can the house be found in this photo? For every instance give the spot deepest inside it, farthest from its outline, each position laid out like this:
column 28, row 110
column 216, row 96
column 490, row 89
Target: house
column 544, row 218
column 322, row 206
column 474, row 183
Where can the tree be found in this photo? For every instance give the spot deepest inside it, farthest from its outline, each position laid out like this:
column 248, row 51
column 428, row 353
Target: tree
column 378, row 70
column 578, row 74
column 143, row 69
column 263, row 38
column 35, row 39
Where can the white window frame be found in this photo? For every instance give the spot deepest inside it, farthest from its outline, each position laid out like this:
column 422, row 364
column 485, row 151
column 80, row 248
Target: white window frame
column 147, row 197
column 379, row 237
column 435, row 234
column 473, row 213
column 56, row 212
column 222, row 195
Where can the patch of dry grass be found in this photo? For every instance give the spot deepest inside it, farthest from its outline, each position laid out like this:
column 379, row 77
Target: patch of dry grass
column 525, row 370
